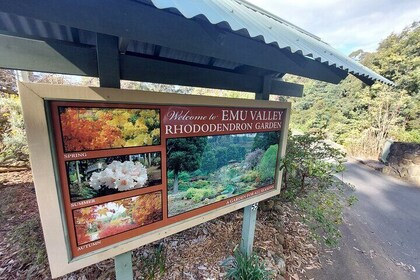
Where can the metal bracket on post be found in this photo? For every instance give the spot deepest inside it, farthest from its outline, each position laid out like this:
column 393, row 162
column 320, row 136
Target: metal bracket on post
column 109, row 76
column 250, row 212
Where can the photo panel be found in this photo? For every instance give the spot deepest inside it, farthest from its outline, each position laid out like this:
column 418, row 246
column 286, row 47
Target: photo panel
column 89, row 129
column 207, row 169
column 90, row 178
column 111, row 218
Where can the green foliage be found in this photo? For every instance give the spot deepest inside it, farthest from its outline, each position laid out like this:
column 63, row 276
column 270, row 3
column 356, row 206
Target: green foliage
column 152, row 265
column 267, row 167
column 13, row 143
column 309, row 161
column 250, row 176
column 184, row 176
column 308, row 180
column 243, row 267
column 222, row 150
column 411, row 136
column 362, row 118
column 184, row 154
column 232, row 173
column 156, row 161
column 264, row 140
column 209, row 162
column 199, row 184
column 198, row 195
column 323, row 213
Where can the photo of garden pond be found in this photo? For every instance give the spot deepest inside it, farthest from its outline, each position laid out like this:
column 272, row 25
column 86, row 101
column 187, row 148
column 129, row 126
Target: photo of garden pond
column 92, row 178
column 87, row 129
column 111, row 218
column 208, row 169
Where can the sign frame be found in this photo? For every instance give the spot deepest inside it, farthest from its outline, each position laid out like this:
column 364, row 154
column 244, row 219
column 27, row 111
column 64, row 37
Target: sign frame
column 35, row 97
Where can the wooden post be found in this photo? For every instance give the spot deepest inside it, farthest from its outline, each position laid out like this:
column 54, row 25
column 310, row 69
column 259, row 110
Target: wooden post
column 109, row 76
column 250, row 212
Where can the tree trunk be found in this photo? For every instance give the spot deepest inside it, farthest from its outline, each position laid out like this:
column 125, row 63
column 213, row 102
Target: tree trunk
column 175, row 182
column 79, row 180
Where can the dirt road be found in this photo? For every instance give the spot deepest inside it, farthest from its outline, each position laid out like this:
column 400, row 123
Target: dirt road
column 381, row 234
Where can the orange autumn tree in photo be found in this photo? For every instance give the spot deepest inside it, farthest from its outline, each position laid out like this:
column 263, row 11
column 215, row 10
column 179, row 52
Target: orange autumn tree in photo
column 87, row 129
column 83, row 220
column 148, row 209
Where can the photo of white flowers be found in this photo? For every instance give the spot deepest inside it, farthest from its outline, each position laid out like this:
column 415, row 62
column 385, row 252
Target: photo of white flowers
column 92, row 178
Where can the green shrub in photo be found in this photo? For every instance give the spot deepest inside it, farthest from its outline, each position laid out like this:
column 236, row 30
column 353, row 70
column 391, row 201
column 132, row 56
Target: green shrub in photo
column 221, row 197
column 204, row 170
column 184, row 176
column 198, row 195
column 267, row 167
column 200, row 184
column 232, row 173
column 250, row 176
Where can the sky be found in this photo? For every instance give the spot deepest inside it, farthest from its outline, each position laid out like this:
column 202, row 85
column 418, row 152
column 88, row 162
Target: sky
column 347, row 25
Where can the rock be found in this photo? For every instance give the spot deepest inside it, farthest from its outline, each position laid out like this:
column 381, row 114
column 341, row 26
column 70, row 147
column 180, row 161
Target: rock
column 409, row 156
column 414, row 171
column 279, row 227
column 279, row 277
column 278, row 207
column 280, row 249
column 404, row 172
column 280, row 238
column 270, row 204
column 281, row 265
column 390, row 171
column 404, row 161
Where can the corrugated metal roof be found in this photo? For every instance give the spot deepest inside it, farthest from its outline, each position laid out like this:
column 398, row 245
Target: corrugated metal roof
column 248, row 20
column 234, row 16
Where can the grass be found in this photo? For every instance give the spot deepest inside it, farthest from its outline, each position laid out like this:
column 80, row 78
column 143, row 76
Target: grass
column 152, row 265
column 243, row 267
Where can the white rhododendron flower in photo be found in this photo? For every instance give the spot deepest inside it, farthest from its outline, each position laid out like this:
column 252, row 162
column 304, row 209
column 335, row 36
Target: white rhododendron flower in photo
column 121, row 176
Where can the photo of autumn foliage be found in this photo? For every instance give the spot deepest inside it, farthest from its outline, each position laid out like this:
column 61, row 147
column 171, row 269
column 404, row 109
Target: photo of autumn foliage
column 204, row 170
column 111, row 218
column 90, row 178
column 87, row 129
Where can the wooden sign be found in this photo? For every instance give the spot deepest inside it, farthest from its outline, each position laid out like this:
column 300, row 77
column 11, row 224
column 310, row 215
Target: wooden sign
column 117, row 169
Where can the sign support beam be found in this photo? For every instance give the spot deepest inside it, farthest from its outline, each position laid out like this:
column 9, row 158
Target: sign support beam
column 108, row 60
column 250, row 212
column 248, row 229
column 109, row 76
